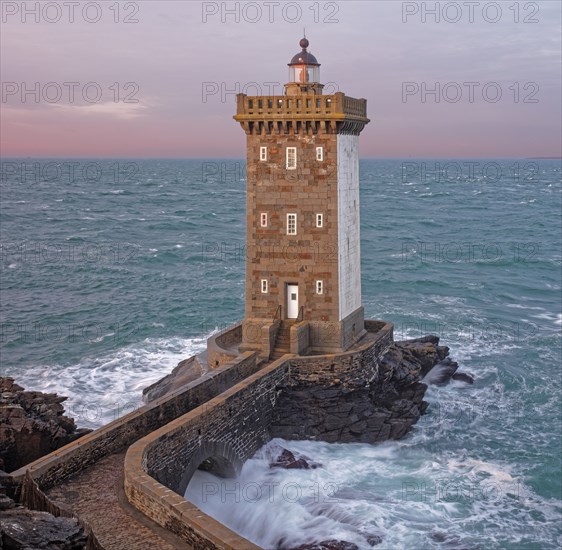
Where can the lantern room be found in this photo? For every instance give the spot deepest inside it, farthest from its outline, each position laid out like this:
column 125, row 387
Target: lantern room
column 304, row 67
column 304, row 73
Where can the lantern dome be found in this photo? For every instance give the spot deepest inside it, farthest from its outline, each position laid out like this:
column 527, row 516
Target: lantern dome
column 304, row 67
column 304, row 57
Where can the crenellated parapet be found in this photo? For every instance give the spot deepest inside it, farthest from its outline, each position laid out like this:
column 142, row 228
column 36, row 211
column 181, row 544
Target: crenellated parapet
column 307, row 114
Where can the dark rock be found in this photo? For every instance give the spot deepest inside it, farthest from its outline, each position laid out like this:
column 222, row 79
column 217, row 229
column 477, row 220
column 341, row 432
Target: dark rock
column 327, row 545
column 32, row 424
column 289, row 461
column 299, row 464
column 286, row 457
column 463, row 377
column 6, row 503
column 428, row 339
column 424, row 354
column 358, row 427
column 452, row 542
column 23, row 529
column 438, row 536
column 383, row 407
column 373, row 540
column 186, row 371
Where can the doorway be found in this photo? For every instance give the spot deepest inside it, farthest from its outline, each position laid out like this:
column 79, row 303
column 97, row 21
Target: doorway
column 292, row 300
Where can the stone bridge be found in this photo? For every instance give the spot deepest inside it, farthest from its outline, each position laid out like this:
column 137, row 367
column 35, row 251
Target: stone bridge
column 226, row 431
column 229, row 429
column 217, row 457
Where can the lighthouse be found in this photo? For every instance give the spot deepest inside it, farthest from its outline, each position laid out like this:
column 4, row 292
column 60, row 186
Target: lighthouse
column 303, row 257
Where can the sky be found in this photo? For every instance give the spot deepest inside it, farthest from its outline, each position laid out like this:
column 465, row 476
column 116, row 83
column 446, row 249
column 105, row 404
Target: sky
column 159, row 78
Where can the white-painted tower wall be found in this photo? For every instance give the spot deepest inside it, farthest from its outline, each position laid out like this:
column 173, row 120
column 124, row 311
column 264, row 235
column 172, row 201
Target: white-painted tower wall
column 349, row 240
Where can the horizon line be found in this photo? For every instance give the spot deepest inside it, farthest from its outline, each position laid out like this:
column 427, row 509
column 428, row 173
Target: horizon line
column 243, row 158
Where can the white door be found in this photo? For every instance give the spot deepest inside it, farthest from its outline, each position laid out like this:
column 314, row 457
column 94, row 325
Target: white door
column 292, row 301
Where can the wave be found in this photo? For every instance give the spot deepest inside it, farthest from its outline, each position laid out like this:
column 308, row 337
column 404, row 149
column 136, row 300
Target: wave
column 408, row 499
column 102, row 389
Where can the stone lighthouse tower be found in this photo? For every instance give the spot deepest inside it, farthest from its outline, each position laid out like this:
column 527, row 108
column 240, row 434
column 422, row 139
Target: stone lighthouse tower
column 303, row 263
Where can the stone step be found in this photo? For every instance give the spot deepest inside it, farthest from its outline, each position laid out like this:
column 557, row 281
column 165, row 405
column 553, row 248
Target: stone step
column 283, row 340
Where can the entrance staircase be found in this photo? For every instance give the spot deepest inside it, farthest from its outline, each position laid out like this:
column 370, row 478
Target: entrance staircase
column 283, row 341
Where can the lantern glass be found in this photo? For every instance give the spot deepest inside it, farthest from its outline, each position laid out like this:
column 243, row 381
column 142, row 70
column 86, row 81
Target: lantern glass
column 304, row 73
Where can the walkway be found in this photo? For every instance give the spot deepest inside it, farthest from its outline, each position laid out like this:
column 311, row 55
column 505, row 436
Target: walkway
column 97, row 496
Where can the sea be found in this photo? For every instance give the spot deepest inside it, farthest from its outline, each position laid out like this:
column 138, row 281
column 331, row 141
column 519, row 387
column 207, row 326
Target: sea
column 114, row 270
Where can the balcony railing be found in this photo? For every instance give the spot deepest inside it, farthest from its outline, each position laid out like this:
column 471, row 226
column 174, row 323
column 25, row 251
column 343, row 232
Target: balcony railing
column 305, row 106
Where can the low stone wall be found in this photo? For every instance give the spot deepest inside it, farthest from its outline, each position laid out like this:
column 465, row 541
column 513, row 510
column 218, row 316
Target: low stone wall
column 268, row 337
column 258, row 334
column 117, row 435
column 354, row 368
column 228, row 429
column 374, row 326
column 300, row 338
column 219, row 346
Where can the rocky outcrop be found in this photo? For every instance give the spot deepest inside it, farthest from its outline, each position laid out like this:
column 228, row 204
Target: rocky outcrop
column 187, row 371
column 288, row 461
column 32, row 424
column 23, row 529
column 384, row 408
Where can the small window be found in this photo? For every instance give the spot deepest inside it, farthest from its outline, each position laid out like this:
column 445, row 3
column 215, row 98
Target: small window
column 250, row 103
column 260, row 104
column 263, row 153
column 319, row 153
column 264, row 286
column 319, row 287
column 263, row 219
column 291, row 158
column 291, row 224
column 319, row 220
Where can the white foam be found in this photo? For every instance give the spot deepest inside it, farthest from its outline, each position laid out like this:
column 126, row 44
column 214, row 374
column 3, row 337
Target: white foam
column 555, row 318
column 104, row 388
column 396, row 490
